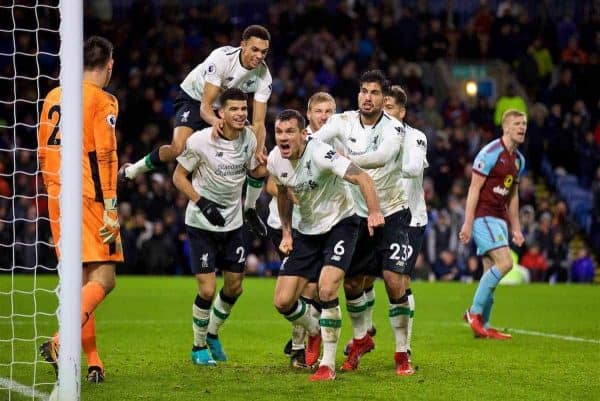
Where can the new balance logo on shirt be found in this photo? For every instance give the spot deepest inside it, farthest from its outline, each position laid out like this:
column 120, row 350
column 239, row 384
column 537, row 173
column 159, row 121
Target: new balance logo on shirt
column 330, row 155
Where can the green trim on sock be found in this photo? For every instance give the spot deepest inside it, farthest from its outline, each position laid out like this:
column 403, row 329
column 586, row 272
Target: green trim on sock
column 201, row 322
column 219, row 314
column 399, row 310
column 255, row 183
column 334, row 323
column 356, row 308
column 148, row 162
column 412, row 314
column 299, row 314
column 370, row 303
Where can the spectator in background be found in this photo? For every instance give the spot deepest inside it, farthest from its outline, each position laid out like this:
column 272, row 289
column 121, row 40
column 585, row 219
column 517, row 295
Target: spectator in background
column 454, row 110
column 537, row 139
column 436, row 42
column 483, row 115
column 510, row 100
column 572, row 54
column 543, row 58
column 543, row 233
column 558, row 259
column 561, row 221
column 445, row 267
column 442, row 237
column 535, row 262
column 157, row 253
column 588, row 153
column 595, row 229
column 582, row 270
column 528, row 223
column 565, row 91
column 526, row 191
column 441, row 162
column 432, row 117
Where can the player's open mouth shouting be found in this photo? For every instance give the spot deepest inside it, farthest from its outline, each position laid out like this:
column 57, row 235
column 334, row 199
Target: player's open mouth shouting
column 286, row 149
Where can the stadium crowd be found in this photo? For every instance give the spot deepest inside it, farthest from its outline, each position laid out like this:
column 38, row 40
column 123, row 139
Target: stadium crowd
column 555, row 58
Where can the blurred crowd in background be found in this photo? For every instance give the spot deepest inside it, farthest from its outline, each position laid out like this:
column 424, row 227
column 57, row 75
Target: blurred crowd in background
column 552, row 51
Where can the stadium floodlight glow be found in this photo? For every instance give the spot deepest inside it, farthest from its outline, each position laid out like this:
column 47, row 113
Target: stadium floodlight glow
column 471, row 88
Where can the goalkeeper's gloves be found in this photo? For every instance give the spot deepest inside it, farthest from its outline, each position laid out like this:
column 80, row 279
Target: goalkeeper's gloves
column 210, row 210
column 110, row 230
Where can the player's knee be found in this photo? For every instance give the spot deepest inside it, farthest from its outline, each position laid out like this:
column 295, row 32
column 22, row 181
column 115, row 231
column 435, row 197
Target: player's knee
column 234, row 290
column 327, row 293
column 369, row 281
column 206, row 292
column 505, row 266
column 283, row 303
column 353, row 286
column 109, row 285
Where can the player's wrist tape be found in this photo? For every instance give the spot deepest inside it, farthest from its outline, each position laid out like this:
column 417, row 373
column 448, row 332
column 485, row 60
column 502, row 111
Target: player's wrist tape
column 255, row 182
column 110, row 204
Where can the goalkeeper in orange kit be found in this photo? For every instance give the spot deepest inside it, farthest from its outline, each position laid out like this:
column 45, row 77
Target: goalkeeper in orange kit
column 101, row 247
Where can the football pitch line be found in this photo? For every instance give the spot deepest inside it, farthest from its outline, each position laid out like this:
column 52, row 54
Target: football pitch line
column 547, row 335
column 6, row 384
column 556, row 336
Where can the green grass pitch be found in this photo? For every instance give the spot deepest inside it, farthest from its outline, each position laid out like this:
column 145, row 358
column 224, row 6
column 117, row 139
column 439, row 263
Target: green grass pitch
column 145, row 336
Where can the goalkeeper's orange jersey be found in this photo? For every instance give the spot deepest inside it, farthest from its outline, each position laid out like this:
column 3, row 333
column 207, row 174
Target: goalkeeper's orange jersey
column 99, row 162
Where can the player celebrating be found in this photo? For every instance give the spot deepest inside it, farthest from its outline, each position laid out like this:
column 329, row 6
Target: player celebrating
column 373, row 140
column 226, row 67
column 327, row 230
column 321, row 106
column 414, row 162
column 213, row 218
column 492, row 201
column 101, row 247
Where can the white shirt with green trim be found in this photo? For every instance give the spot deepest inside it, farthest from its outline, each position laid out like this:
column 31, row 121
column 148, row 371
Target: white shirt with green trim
column 358, row 141
column 273, row 219
column 316, row 179
column 219, row 168
column 224, row 69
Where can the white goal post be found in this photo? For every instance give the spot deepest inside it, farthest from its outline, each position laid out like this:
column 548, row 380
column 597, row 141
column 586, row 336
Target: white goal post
column 41, row 47
column 70, row 270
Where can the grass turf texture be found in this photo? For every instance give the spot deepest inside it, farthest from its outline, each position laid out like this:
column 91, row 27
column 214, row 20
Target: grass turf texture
column 145, row 337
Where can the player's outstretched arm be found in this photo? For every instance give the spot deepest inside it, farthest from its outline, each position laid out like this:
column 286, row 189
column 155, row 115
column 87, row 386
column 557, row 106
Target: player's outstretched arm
column 259, row 113
column 285, row 207
column 358, row 177
column 385, row 153
column 209, row 96
column 477, row 182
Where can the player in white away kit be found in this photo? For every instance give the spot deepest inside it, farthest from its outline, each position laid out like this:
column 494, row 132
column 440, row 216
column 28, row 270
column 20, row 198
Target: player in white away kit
column 414, row 162
column 326, row 235
column 321, row 106
column 213, row 218
column 226, row 67
column 373, row 140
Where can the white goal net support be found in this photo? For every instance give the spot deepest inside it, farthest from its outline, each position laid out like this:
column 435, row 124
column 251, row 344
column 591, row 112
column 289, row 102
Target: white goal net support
column 33, row 60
